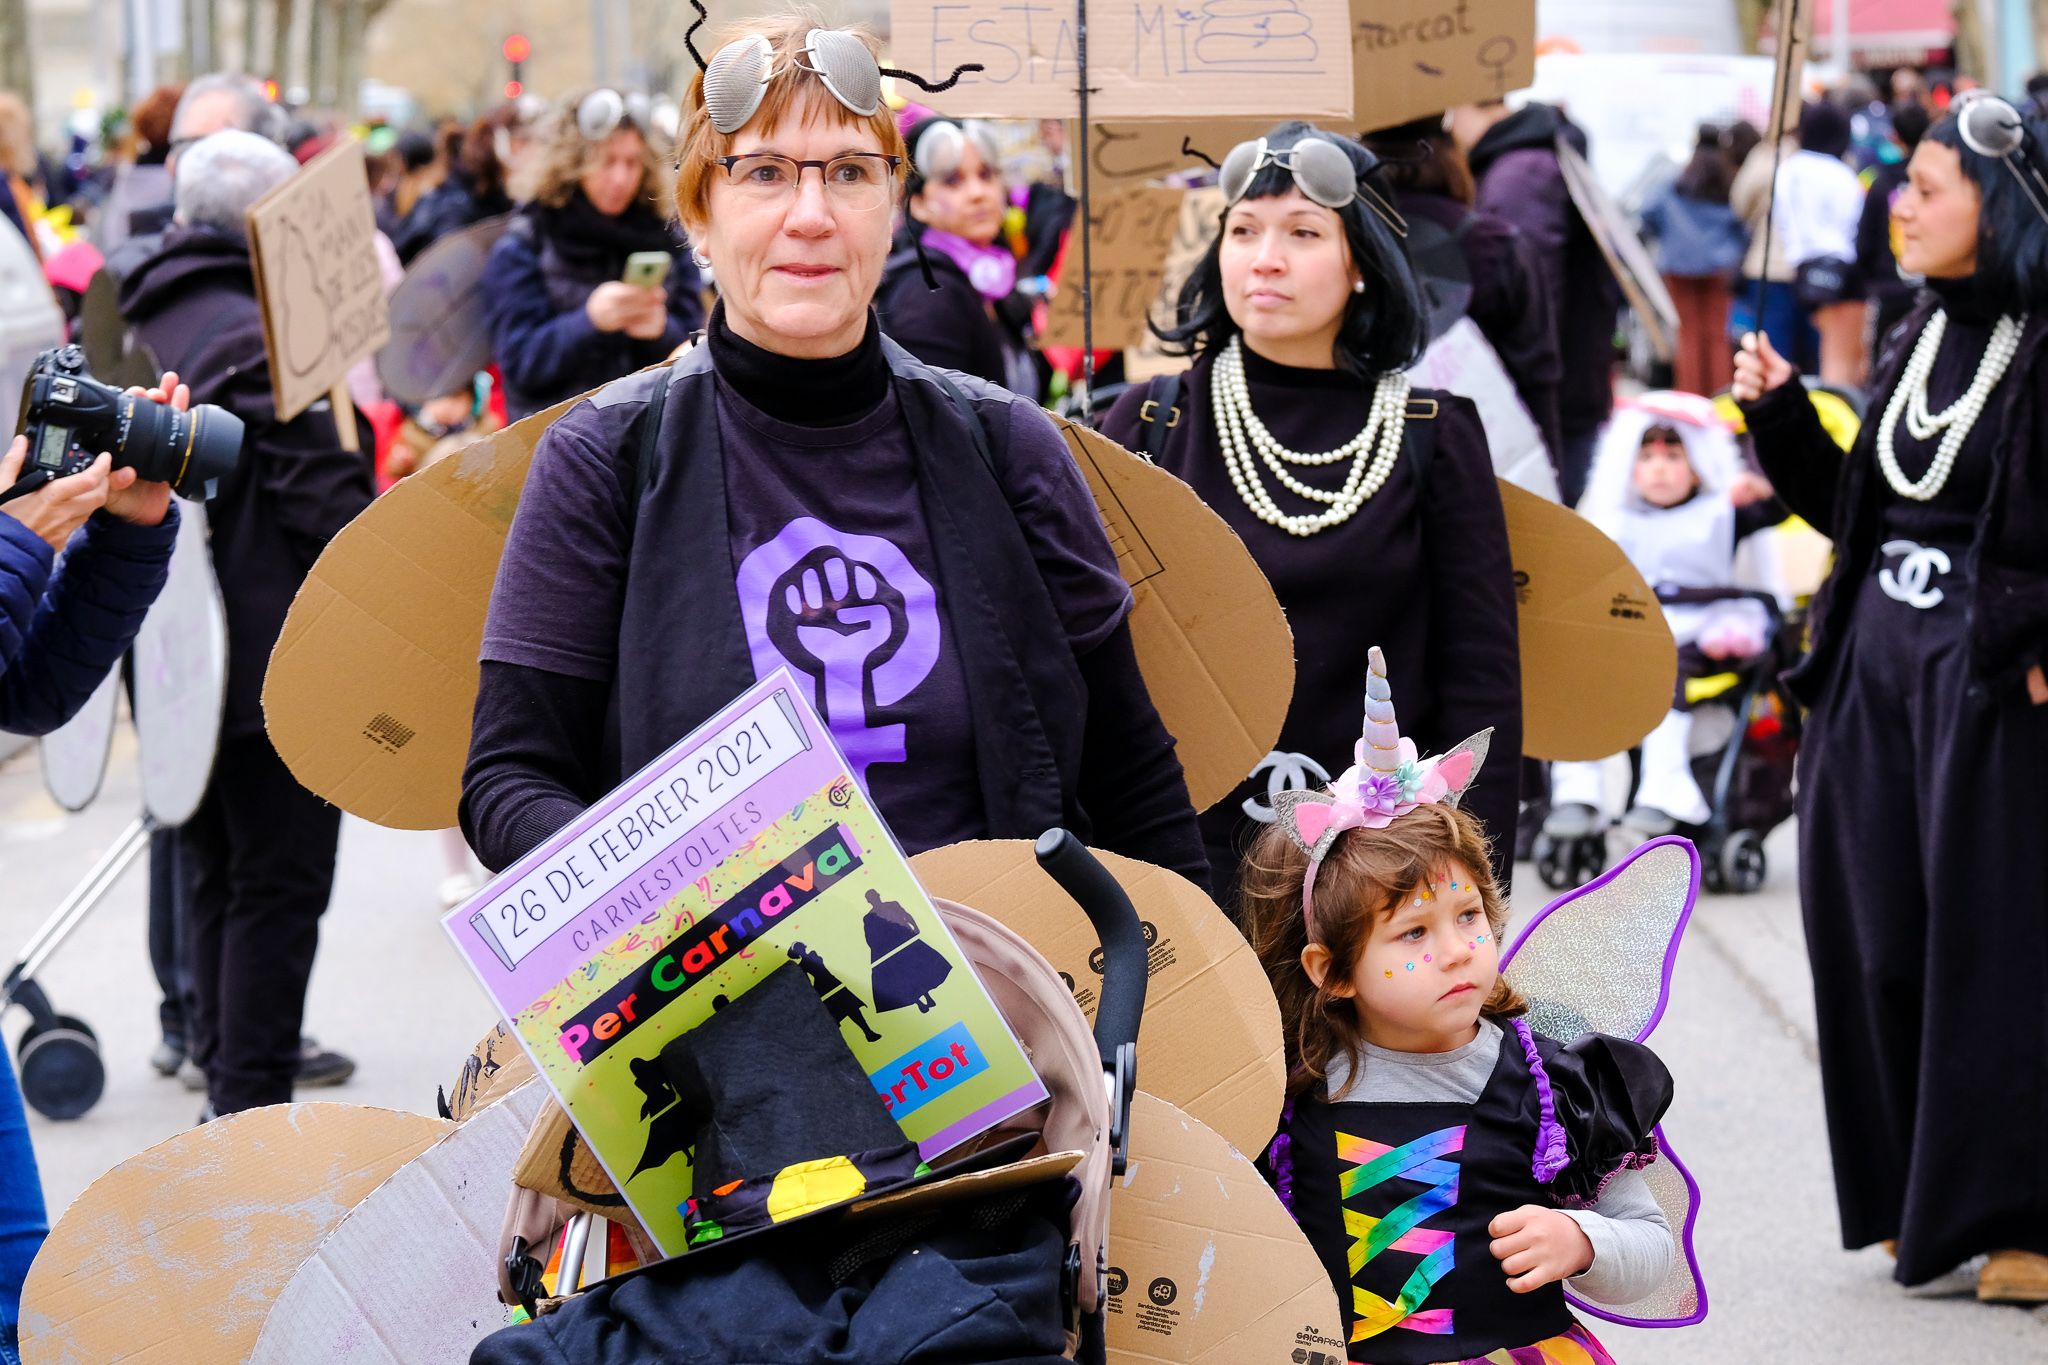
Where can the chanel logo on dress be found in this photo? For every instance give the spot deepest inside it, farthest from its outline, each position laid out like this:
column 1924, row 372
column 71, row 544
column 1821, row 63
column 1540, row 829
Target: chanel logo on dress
column 1908, row 581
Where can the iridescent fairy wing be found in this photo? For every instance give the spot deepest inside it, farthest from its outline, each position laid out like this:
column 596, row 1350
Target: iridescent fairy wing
column 1680, row 1298
column 1599, row 960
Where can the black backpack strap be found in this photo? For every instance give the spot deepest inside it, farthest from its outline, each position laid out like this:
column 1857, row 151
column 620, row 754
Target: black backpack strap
column 1160, row 412
column 969, row 414
column 650, row 437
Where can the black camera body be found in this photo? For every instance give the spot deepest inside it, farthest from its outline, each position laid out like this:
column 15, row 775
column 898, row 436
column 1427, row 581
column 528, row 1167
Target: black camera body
column 69, row 418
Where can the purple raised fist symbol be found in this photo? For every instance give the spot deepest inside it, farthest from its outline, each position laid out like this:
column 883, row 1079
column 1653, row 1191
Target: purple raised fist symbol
column 852, row 613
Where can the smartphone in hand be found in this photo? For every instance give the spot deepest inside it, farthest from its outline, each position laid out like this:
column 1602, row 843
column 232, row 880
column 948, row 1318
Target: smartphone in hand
column 647, row 269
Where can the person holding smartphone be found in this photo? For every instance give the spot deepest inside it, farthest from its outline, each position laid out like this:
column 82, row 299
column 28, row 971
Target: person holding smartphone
column 590, row 282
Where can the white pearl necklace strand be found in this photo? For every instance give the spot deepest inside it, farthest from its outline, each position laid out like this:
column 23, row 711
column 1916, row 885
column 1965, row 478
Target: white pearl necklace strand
column 1240, row 432
column 1953, row 425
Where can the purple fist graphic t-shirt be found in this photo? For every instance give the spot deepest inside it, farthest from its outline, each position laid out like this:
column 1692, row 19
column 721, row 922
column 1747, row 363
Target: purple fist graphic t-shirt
column 836, row 578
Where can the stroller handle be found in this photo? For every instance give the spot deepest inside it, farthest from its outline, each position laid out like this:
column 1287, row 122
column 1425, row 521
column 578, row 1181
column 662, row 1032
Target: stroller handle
column 1676, row 596
column 1124, row 954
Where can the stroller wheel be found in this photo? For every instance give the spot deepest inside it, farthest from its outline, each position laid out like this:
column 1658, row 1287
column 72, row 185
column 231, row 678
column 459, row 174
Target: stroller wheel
column 61, row 1072
column 1742, row 863
column 1588, row 858
column 1550, row 863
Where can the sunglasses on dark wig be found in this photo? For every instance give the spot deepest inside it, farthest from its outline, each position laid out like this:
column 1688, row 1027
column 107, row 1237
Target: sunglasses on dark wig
column 1322, row 171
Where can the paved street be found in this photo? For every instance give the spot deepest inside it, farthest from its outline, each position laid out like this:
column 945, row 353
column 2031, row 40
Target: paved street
column 389, row 990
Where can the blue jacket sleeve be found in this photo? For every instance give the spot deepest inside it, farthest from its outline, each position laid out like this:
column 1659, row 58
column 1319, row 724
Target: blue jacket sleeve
column 535, row 345
column 61, row 631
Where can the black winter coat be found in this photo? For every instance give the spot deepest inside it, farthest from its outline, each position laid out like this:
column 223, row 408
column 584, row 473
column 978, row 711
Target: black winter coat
column 63, row 626
column 194, row 305
column 542, row 273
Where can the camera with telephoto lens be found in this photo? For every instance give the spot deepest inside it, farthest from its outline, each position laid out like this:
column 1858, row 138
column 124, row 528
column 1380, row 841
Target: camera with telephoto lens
column 69, row 418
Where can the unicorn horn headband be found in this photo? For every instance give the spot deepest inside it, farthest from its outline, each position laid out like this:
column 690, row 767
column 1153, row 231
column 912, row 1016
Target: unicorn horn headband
column 1385, row 781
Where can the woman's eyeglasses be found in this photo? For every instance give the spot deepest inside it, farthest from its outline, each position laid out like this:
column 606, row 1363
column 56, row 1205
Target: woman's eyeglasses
column 857, row 181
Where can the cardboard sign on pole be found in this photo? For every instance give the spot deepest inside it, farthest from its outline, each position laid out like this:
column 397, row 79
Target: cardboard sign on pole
column 1143, row 59
column 178, row 1253
column 1133, row 228
column 1201, row 215
column 1598, row 661
column 313, row 241
column 1624, row 251
column 371, row 685
column 1210, row 1038
column 1793, row 43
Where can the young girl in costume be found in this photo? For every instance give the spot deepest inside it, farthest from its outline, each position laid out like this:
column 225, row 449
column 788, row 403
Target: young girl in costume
column 1668, row 485
column 1453, row 1168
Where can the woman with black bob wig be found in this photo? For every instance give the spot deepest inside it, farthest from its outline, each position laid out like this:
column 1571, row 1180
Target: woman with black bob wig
column 1921, row 805
column 1372, row 507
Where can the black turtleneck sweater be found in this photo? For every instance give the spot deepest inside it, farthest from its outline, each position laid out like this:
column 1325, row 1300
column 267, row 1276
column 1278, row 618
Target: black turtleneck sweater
column 1422, row 573
column 823, row 506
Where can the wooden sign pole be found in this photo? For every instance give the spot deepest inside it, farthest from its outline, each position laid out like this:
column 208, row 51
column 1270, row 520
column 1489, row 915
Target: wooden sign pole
column 344, row 406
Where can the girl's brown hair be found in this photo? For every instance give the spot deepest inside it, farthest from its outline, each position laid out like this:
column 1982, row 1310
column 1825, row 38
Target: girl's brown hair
column 1367, row 874
column 793, row 92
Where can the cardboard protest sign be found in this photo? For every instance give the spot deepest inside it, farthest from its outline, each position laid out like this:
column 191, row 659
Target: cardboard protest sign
column 744, row 847
column 1243, row 57
column 313, row 241
column 1201, row 216
column 1210, row 1038
column 405, row 1275
column 1189, row 1281
column 1624, row 251
column 1212, row 641
column 178, row 1253
column 1131, row 231
column 1417, row 57
column 374, row 676
column 1598, row 662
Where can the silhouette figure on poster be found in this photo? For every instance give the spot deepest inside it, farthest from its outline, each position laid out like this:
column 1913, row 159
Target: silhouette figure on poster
column 906, row 968
column 839, row 1000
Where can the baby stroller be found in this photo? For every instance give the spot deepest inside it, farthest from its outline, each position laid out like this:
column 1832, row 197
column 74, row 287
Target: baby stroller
column 1091, row 1080
column 1745, row 738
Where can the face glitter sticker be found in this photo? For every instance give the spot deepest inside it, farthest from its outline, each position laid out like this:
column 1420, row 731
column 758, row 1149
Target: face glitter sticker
column 1390, row 973
column 1411, row 966
column 1427, row 958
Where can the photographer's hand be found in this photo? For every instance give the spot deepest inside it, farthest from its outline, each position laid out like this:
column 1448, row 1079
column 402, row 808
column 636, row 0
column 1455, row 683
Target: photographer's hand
column 142, row 503
column 60, row 507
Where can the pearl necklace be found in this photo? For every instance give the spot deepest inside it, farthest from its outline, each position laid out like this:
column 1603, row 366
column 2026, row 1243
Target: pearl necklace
column 1240, row 432
column 1953, row 425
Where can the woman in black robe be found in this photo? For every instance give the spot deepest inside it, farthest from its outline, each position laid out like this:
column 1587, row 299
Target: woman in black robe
column 1921, row 862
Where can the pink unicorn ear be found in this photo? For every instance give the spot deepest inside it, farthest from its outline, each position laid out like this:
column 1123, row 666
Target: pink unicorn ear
column 1312, row 819
column 1460, row 767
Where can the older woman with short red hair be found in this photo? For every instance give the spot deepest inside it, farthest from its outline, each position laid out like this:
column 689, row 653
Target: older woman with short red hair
column 915, row 545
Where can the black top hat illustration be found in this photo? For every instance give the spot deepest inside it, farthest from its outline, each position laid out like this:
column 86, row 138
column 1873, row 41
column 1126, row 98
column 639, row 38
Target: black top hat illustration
column 787, row 1123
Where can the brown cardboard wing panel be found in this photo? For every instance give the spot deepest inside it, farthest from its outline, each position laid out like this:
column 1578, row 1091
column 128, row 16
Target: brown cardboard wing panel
column 1205, row 1264
column 177, row 1253
column 978, row 1185
column 557, row 1162
column 407, row 1275
column 370, row 686
column 1211, row 638
column 1210, row 1039
column 1598, row 662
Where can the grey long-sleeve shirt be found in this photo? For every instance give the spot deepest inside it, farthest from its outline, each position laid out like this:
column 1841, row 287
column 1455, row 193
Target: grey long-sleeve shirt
column 1632, row 1241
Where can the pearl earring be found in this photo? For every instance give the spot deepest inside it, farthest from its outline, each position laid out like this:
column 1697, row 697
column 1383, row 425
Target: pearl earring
column 703, row 261
column 1358, row 286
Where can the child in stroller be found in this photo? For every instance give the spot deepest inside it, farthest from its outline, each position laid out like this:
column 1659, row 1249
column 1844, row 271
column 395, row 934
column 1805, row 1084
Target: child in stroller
column 1669, row 485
